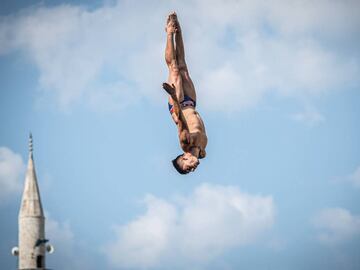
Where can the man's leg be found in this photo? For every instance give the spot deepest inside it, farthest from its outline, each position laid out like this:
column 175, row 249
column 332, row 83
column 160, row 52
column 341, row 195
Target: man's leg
column 170, row 57
column 188, row 86
column 180, row 50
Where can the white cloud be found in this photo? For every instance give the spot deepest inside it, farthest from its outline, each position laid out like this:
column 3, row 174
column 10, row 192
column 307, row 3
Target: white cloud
column 336, row 225
column 310, row 117
column 12, row 170
column 143, row 241
column 111, row 56
column 354, row 178
column 85, row 56
column 67, row 254
column 60, row 234
column 190, row 230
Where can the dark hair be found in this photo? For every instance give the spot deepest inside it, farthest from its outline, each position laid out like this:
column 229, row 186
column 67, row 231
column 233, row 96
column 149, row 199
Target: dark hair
column 177, row 167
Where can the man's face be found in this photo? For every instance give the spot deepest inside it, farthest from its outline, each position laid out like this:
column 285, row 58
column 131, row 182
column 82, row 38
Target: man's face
column 188, row 162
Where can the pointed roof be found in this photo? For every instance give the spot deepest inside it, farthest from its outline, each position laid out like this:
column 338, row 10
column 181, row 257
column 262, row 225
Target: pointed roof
column 31, row 202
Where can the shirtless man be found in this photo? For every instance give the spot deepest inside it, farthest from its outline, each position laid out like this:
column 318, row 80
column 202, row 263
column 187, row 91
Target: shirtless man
column 182, row 101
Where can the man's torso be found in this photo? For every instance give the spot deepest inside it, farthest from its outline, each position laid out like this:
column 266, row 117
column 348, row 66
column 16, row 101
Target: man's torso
column 197, row 131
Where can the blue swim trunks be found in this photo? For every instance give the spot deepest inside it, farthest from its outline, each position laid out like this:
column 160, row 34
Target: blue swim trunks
column 188, row 101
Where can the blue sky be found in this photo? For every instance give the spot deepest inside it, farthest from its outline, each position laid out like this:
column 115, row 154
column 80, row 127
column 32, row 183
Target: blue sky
column 278, row 89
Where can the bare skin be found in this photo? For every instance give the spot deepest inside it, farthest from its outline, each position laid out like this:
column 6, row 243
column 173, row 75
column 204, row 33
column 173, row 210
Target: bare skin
column 191, row 129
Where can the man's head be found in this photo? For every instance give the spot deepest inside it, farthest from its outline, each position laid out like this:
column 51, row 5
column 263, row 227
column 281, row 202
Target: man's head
column 185, row 163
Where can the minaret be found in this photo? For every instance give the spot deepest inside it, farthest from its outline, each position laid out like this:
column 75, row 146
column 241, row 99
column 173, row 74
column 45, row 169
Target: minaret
column 32, row 240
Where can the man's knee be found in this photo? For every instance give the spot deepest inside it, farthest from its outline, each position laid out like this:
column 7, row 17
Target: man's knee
column 182, row 65
column 174, row 70
column 168, row 60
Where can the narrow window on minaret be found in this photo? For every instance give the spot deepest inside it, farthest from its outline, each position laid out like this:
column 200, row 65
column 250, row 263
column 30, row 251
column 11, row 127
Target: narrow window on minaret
column 39, row 261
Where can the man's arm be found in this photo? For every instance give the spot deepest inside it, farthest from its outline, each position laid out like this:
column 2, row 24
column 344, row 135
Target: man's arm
column 183, row 128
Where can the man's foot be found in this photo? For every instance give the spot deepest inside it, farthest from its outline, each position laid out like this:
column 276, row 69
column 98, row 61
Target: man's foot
column 171, row 17
column 172, row 25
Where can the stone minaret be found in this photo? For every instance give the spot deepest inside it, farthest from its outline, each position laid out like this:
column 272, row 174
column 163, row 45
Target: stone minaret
column 31, row 250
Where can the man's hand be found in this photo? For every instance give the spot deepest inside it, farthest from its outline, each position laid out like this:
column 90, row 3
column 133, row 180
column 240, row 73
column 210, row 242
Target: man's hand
column 184, row 137
column 170, row 90
column 190, row 162
column 175, row 118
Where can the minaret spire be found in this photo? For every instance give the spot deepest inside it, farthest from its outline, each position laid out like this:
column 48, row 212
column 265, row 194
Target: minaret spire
column 31, row 202
column 32, row 242
column 30, row 145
